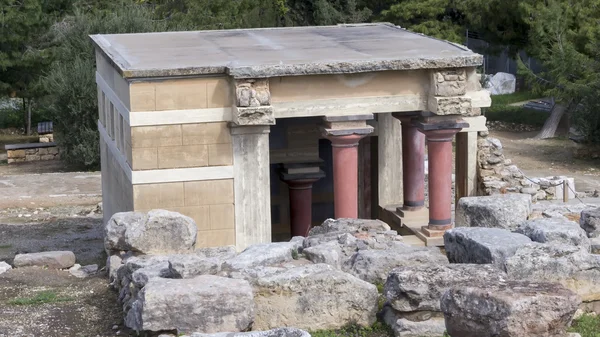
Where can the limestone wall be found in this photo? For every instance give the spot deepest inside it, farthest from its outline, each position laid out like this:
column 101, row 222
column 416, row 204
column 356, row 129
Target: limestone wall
column 36, row 154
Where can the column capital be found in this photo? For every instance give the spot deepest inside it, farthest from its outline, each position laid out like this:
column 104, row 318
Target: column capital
column 236, row 129
column 407, row 117
column 345, row 140
column 346, row 130
column 440, row 128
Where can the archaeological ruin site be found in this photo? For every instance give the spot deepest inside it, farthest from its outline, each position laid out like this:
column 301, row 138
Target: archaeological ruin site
column 280, row 182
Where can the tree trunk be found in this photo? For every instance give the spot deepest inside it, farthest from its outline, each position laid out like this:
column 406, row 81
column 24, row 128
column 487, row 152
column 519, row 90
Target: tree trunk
column 29, row 117
column 551, row 124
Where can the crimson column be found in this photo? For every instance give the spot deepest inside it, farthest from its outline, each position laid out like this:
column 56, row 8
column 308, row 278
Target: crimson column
column 300, row 178
column 345, row 132
column 413, row 163
column 439, row 136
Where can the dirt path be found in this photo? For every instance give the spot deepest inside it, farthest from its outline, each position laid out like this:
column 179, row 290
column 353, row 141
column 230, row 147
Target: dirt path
column 549, row 157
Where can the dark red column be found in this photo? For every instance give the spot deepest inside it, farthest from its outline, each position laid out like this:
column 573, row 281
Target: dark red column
column 345, row 174
column 413, row 166
column 300, row 205
column 439, row 143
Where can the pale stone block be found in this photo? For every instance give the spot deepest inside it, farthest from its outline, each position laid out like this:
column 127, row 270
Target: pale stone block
column 450, row 105
column 216, row 238
column 181, row 94
column 261, row 115
column 219, row 93
column 144, row 158
column 53, row 150
column 13, row 154
column 156, row 136
column 449, row 82
column 182, row 156
column 47, row 157
column 32, row 157
column 220, row 155
column 158, row 196
column 209, row 192
column 200, row 214
column 206, row 133
column 222, row 216
column 142, row 96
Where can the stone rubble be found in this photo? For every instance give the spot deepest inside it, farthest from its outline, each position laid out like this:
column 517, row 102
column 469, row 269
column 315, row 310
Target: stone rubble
column 83, row 272
column 492, row 211
column 52, row 260
column 482, row 245
column 279, row 332
column 559, row 230
column 590, row 222
column 512, row 308
column 4, row 267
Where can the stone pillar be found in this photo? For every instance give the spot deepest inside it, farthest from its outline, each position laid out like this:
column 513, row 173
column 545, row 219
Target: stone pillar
column 252, row 118
column 413, row 164
column 439, row 133
column 389, row 162
column 300, row 179
column 345, row 132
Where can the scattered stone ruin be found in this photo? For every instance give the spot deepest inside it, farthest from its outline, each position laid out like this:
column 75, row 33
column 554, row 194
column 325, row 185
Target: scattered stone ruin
column 355, row 271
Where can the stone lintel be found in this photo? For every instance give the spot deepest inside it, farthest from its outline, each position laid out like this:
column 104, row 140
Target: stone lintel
column 350, row 118
column 441, row 124
column 261, row 115
column 301, row 176
column 456, row 105
column 346, row 132
column 236, row 129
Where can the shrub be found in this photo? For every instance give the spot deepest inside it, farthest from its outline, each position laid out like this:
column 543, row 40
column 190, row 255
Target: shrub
column 70, row 83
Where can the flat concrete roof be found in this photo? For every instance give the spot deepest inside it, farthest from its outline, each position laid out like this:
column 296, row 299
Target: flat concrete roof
column 271, row 52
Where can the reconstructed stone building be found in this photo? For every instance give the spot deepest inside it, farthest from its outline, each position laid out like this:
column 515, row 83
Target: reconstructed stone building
column 234, row 127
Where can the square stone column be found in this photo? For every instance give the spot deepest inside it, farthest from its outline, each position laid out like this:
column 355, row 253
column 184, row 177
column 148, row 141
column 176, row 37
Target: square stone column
column 252, row 118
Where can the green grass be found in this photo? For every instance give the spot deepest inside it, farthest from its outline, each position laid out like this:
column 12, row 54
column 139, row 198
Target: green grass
column 376, row 330
column 513, row 98
column 587, row 326
column 502, row 111
column 42, row 297
column 5, row 246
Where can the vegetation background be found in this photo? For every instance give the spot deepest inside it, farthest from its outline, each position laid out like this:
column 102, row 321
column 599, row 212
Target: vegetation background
column 47, row 60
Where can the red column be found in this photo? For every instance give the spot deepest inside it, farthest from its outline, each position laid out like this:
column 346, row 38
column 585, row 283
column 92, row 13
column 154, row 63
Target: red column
column 439, row 143
column 300, row 205
column 413, row 166
column 345, row 174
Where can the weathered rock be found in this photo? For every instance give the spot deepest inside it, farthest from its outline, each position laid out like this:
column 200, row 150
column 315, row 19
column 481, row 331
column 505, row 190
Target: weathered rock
column 595, row 245
column 186, row 266
column 560, row 230
column 374, row 265
column 221, row 253
column 314, row 297
column 329, row 253
column 590, row 222
column 264, row 254
column 54, row 260
column 571, row 266
column 512, row 308
column 155, row 232
column 4, row 267
column 279, row 332
column 505, row 211
column 206, row 303
column 344, row 225
column 403, row 327
column 82, row 272
column 420, row 287
column 482, row 245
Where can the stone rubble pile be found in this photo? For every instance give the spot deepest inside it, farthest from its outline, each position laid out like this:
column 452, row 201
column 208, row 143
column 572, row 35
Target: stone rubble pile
column 329, row 279
column 497, row 175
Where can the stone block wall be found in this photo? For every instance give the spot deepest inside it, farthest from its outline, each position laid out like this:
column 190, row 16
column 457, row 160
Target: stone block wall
column 35, row 154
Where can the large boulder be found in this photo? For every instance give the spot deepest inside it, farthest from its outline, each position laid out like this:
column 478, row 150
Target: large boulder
column 206, row 304
column 560, row 230
column 263, row 254
column 420, row 287
column 4, row 267
column 190, row 265
column 482, row 245
column 590, row 222
column 404, row 327
column 571, row 266
column 155, row 232
column 353, row 234
column 314, row 297
column 374, row 265
column 329, row 253
column 53, row 260
column 501, row 84
column 279, row 332
column 505, row 211
column 509, row 309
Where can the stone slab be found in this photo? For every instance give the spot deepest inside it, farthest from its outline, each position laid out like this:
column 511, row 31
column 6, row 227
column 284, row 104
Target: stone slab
column 54, row 260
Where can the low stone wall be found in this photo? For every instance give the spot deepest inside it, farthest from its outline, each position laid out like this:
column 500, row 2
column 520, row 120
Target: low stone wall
column 34, row 154
column 497, row 175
